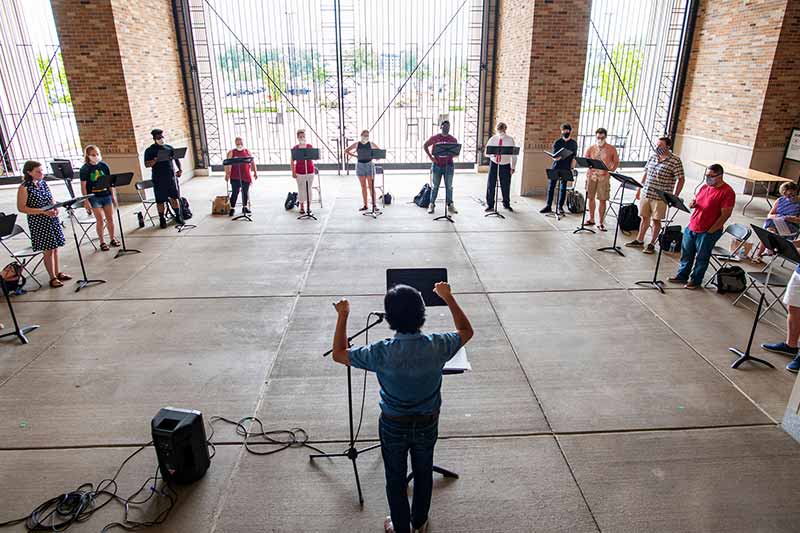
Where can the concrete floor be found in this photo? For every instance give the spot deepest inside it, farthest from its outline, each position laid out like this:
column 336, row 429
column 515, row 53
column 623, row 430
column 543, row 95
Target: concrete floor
column 594, row 404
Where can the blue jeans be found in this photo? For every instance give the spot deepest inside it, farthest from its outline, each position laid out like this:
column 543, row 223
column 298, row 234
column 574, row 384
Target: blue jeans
column 438, row 172
column 562, row 193
column 696, row 249
column 397, row 440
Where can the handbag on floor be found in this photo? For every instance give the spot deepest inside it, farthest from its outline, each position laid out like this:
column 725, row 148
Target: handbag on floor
column 730, row 279
column 672, row 238
column 291, row 201
column 221, row 205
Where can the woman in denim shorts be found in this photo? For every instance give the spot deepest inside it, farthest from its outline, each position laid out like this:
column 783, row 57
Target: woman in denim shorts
column 365, row 168
column 103, row 201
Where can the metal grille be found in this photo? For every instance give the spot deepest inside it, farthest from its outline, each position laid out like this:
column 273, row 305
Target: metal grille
column 645, row 39
column 37, row 120
column 337, row 63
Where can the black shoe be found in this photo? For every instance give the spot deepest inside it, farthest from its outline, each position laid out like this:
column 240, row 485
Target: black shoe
column 231, row 212
column 246, row 211
column 508, row 208
column 546, row 209
column 561, row 212
column 162, row 222
column 489, row 209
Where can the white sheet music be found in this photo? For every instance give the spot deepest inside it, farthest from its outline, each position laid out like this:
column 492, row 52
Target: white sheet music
column 782, row 226
column 459, row 362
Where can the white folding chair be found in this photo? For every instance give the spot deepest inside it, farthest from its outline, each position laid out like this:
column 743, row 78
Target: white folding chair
column 382, row 184
column 141, row 188
column 316, row 185
column 85, row 223
column 9, row 229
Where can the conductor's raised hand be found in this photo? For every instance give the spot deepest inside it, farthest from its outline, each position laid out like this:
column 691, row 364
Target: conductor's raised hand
column 342, row 307
column 442, row 290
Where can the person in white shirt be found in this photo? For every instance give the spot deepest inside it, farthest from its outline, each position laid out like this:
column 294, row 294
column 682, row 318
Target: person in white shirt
column 504, row 165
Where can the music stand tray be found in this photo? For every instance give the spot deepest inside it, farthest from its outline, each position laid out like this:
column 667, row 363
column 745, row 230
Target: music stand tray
column 446, row 150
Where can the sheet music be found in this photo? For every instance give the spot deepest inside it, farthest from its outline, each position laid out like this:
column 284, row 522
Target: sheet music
column 782, row 227
column 459, row 362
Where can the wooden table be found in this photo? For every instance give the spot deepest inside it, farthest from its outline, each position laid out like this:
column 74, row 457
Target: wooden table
column 754, row 177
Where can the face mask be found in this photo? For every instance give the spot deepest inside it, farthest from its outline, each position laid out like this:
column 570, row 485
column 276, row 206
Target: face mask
column 660, row 150
column 240, row 147
column 364, row 139
column 160, row 142
column 94, row 159
column 711, row 181
column 301, row 140
column 601, row 142
column 565, row 135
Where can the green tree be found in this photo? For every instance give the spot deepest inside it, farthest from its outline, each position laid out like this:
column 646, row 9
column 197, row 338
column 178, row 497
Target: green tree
column 233, row 63
column 628, row 61
column 408, row 61
column 55, row 84
column 365, row 59
column 274, row 67
column 308, row 66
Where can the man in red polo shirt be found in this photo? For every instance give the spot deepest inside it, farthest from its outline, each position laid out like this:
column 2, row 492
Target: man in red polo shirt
column 712, row 206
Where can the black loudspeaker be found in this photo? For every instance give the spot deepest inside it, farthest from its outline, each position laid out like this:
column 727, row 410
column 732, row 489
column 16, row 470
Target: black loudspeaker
column 179, row 437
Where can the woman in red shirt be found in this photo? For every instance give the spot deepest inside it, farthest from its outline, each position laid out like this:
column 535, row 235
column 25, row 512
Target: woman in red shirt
column 303, row 172
column 240, row 176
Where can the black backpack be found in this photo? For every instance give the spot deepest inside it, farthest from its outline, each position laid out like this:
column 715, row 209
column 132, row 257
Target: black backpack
column 387, row 199
column 423, row 198
column 730, row 279
column 186, row 213
column 291, row 201
column 575, row 201
column 672, row 238
column 629, row 219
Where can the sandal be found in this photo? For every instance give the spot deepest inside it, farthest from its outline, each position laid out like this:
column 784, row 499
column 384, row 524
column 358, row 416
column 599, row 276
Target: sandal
column 363, row 208
column 115, row 243
column 104, row 247
column 55, row 283
column 602, row 227
column 590, row 223
column 63, row 277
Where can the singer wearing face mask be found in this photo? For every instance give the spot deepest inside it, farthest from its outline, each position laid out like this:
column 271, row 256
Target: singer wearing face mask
column 104, row 200
column 663, row 172
column 442, row 167
column 712, row 206
column 240, row 176
column 164, row 185
column 502, row 166
column 561, row 163
column 365, row 169
column 303, row 172
column 598, row 185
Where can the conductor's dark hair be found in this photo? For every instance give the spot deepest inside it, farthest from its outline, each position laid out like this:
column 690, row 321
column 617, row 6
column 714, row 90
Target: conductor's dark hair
column 667, row 141
column 566, row 126
column 717, row 169
column 601, row 131
column 157, row 133
column 405, row 309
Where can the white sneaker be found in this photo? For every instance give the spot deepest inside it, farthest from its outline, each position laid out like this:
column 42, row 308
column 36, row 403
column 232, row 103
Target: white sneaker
column 452, row 209
column 431, row 208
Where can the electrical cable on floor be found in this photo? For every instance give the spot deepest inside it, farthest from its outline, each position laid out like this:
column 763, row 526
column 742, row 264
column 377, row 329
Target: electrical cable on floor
column 295, row 437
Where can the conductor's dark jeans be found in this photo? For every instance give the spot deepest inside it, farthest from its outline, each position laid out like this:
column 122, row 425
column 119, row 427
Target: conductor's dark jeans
column 235, row 186
column 397, row 441
column 505, row 184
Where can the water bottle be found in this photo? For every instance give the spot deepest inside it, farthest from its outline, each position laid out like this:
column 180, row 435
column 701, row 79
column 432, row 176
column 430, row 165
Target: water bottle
column 672, row 246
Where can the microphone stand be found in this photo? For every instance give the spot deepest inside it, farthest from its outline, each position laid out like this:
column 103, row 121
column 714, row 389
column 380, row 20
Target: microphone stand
column 352, row 452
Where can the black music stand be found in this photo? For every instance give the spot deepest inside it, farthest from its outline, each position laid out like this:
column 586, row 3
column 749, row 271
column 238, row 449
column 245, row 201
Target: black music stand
column 240, row 161
column 624, row 181
column 19, row 331
column 121, row 180
column 370, row 153
column 499, row 150
column 170, row 155
column 558, row 174
column 675, row 202
column 785, row 249
column 69, row 205
column 445, row 150
column 306, row 154
column 596, row 164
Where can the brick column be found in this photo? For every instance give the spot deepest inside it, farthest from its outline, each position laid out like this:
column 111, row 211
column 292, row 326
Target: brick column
column 740, row 102
column 540, row 68
column 123, row 69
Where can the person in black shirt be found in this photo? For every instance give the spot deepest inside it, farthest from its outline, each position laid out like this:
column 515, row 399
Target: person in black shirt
column 103, row 202
column 563, row 163
column 164, row 175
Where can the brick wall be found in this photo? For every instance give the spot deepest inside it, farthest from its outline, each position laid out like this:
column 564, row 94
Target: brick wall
column 558, row 61
column 95, row 74
column 732, row 53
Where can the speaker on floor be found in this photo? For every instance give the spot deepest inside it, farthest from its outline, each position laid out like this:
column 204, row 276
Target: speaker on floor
column 179, row 437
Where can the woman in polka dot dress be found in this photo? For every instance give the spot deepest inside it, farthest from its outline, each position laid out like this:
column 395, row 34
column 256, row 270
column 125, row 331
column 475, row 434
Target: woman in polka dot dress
column 45, row 227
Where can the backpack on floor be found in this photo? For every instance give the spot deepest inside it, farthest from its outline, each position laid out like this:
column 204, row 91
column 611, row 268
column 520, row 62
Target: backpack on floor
column 387, row 199
column 629, row 219
column 12, row 276
column 186, row 213
column 671, row 240
column 291, row 201
column 730, row 279
column 575, row 201
column 423, row 198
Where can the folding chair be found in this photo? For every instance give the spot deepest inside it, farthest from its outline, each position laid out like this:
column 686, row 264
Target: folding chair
column 720, row 257
column 757, row 281
column 316, row 185
column 147, row 205
column 85, row 224
column 382, row 185
column 25, row 257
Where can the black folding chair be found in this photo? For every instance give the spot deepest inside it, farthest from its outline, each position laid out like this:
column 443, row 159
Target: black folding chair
column 9, row 229
column 778, row 282
column 721, row 257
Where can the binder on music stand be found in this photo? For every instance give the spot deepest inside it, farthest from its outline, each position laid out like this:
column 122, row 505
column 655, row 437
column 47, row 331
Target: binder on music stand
column 563, row 153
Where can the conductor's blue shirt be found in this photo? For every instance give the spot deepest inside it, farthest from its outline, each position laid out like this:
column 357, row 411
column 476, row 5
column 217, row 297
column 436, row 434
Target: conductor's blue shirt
column 409, row 369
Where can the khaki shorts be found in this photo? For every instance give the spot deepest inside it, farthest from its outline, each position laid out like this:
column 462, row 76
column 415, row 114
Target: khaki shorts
column 649, row 208
column 599, row 188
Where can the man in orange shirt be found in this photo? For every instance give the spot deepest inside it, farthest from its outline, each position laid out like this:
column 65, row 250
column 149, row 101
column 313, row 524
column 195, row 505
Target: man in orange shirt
column 598, row 185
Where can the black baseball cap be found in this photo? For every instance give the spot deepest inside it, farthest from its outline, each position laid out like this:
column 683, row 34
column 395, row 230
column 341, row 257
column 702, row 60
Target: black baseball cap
column 156, row 133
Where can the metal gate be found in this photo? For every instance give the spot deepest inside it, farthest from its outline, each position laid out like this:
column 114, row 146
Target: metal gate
column 266, row 68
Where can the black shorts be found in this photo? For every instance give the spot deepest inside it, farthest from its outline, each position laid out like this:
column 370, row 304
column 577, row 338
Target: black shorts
column 165, row 188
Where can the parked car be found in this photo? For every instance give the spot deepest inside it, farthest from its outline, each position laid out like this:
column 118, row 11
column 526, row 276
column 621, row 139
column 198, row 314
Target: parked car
column 298, row 91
